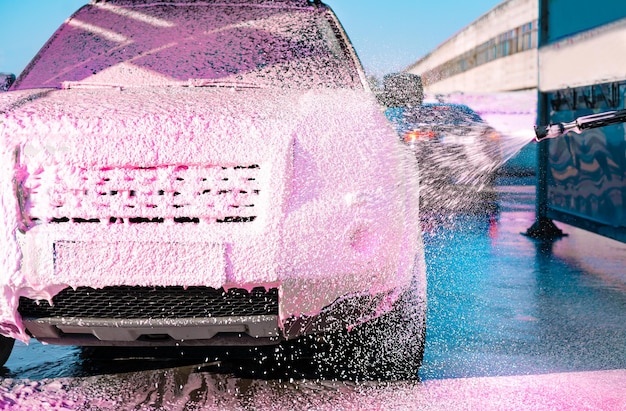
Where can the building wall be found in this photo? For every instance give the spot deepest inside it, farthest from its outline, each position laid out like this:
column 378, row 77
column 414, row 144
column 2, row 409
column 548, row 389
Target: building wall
column 511, row 73
column 591, row 57
column 459, row 64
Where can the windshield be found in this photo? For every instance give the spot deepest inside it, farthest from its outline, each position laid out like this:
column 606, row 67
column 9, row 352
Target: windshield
column 434, row 116
column 166, row 44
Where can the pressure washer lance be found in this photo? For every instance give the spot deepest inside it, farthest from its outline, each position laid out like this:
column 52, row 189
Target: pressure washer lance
column 580, row 124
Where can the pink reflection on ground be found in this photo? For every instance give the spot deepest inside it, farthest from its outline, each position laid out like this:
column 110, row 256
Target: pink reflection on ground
column 493, row 227
column 600, row 256
column 185, row 389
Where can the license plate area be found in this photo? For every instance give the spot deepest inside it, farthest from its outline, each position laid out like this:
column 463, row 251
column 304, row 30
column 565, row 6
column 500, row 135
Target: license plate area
column 99, row 264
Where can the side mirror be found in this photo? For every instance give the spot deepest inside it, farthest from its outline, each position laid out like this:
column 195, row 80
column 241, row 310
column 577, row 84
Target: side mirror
column 401, row 90
column 6, row 79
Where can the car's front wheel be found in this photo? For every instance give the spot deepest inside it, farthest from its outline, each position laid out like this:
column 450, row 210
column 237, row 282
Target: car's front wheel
column 389, row 347
column 6, row 346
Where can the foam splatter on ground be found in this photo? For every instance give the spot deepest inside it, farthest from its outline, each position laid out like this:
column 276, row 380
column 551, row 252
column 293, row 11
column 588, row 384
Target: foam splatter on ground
column 178, row 390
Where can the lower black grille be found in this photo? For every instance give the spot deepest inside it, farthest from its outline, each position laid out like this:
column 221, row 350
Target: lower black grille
column 128, row 302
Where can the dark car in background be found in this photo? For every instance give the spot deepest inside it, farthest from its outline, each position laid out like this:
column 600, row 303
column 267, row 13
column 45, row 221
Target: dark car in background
column 6, row 79
column 457, row 151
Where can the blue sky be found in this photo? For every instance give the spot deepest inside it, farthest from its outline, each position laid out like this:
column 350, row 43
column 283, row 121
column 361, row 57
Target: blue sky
column 387, row 34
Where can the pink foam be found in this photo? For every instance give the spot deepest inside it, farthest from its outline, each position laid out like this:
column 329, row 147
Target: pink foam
column 155, row 121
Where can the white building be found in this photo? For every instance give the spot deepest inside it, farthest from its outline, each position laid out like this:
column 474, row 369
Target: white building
column 497, row 52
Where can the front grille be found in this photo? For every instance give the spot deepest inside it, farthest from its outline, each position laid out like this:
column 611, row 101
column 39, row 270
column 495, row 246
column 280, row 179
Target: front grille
column 181, row 194
column 134, row 302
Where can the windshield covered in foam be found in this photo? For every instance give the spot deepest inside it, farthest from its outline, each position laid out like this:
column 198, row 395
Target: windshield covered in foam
column 167, row 44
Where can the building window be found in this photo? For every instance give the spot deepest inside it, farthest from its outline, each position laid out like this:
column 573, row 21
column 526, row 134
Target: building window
column 513, row 41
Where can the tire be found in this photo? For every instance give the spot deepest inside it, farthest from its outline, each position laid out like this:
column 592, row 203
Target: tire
column 6, row 346
column 390, row 347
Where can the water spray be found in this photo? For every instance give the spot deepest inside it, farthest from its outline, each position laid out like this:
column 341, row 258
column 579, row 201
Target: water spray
column 580, row 124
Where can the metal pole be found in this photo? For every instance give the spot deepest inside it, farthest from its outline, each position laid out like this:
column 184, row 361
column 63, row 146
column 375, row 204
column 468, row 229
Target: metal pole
column 543, row 228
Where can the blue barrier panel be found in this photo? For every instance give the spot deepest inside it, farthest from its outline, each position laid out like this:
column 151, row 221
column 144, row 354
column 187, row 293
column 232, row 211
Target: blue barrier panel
column 581, row 178
column 586, row 173
column 567, row 17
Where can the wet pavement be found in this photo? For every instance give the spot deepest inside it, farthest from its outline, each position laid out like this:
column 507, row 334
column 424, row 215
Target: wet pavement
column 512, row 324
column 503, row 304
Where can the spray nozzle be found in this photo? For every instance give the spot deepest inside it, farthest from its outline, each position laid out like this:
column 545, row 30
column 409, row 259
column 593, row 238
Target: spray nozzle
column 580, row 124
column 556, row 130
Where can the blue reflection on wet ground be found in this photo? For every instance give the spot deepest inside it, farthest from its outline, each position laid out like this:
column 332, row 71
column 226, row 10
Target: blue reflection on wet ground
column 503, row 304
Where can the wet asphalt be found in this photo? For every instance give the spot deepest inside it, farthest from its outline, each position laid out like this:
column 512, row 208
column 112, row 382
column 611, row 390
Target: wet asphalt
column 501, row 303
column 503, row 311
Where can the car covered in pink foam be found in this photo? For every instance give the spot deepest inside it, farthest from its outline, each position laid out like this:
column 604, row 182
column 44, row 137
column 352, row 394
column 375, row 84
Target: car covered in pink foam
column 210, row 173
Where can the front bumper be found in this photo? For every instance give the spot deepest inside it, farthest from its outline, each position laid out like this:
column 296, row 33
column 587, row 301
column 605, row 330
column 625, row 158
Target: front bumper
column 239, row 318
